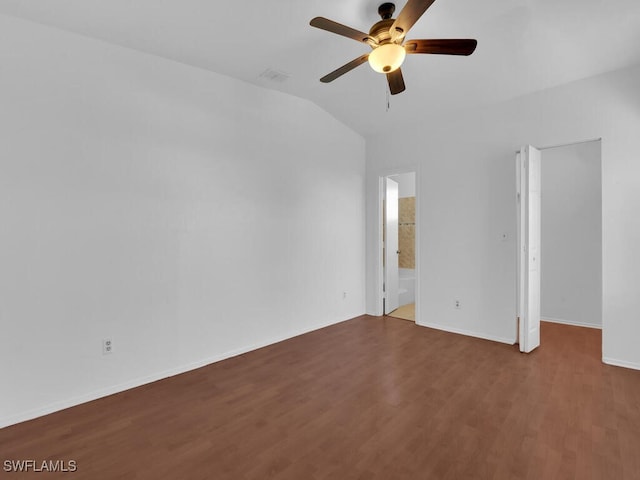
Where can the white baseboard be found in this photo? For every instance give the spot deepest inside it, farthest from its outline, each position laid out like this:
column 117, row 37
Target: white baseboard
column 104, row 392
column 621, row 363
column 484, row 336
column 570, row 322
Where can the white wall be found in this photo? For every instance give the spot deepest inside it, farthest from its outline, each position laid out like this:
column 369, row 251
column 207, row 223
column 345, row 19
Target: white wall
column 466, row 173
column 185, row 215
column 571, row 243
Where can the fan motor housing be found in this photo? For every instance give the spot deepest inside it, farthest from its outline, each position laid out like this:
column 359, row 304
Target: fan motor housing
column 380, row 30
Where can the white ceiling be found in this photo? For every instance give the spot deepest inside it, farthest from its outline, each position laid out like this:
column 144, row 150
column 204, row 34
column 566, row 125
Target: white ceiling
column 523, row 46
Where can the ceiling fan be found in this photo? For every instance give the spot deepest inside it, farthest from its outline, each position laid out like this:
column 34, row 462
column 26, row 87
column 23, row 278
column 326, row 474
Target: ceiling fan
column 386, row 38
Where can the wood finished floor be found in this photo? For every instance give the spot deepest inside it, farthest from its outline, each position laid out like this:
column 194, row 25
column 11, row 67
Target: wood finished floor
column 370, row 398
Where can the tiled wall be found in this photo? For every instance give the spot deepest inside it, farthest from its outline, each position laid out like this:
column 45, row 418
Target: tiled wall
column 407, row 232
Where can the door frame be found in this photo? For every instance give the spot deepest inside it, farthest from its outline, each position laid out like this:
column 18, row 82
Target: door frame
column 378, row 265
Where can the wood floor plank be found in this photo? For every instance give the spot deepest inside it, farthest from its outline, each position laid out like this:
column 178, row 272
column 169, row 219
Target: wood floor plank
column 370, row 398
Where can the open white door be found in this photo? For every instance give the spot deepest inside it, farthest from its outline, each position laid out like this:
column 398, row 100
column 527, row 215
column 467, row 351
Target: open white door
column 528, row 278
column 391, row 280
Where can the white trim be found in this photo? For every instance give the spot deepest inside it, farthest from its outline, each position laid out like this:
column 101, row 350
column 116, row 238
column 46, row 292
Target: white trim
column 621, row 363
column 570, row 322
column 104, row 392
column 558, row 145
column 599, row 139
column 378, row 269
column 460, row 331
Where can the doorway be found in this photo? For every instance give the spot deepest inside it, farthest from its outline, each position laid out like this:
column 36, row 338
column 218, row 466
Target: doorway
column 569, row 220
column 399, row 246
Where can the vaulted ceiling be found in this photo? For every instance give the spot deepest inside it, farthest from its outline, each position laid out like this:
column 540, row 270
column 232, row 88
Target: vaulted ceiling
column 523, row 46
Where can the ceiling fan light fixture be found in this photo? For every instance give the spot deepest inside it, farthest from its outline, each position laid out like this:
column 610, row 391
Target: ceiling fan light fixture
column 387, row 58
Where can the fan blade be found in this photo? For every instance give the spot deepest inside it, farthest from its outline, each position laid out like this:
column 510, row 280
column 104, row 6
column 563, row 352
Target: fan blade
column 334, row 27
column 409, row 15
column 457, row 46
column 345, row 68
column 396, row 82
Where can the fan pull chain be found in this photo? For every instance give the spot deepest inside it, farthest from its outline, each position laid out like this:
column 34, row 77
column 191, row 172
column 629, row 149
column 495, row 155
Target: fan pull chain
column 388, row 102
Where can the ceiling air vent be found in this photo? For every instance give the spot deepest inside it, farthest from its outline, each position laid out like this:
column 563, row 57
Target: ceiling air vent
column 274, row 76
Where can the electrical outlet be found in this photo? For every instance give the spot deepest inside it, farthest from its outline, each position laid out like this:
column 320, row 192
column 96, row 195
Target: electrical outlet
column 457, row 304
column 107, row 346
column 344, row 295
